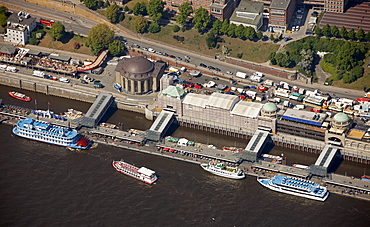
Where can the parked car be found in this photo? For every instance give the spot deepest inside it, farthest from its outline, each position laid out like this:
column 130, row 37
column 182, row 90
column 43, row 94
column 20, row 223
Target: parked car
column 84, row 82
column 229, row 72
column 203, row 65
column 144, row 48
column 135, row 45
column 179, row 58
column 211, row 67
column 151, row 50
column 171, row 56
column 187, row 57
column 215, row 78
column 218, row 70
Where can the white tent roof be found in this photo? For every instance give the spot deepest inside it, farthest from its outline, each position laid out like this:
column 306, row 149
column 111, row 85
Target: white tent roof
column 222, row 101
column 247, row 109
column 196, row 99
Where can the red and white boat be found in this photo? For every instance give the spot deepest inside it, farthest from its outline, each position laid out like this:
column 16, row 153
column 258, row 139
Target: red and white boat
column 19, row 96
column 142, row 173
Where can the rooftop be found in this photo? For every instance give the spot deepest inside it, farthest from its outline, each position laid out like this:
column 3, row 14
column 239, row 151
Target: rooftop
column 280, row 4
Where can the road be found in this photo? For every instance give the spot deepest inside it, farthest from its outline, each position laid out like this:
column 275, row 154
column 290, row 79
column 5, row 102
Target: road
column 82, row 26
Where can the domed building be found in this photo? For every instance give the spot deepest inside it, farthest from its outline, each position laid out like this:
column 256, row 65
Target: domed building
column 138, row 75
column 340, row 121
column 269, row 110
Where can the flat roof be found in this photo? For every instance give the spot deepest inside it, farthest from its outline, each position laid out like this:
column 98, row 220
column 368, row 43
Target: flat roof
column 247, row 109
column 222, row 101
column 305, row 117
column 280, row 4
column 14, row 19
column 59, row 57
column 194, row 99
column 99, row 104
column 247, row 12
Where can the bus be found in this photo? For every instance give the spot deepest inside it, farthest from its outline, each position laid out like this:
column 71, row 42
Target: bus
column 48, row 23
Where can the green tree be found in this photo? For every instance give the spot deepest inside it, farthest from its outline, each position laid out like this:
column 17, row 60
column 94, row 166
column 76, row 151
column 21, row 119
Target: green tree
column 99, row 38
column 116, row 48
column 33, row 41
column 91, row 3
column 3, row 10
column 334, row 31
column 57, row 31
column 216, row 27
column 259, row 35
column 155, row 9
column 185, row 10
column 106, row 4
column 121, row 17
column 351, row 34
column 367, row 36
column 231, row 30
column 3, row 19
column 201, row 19
column 126, row 9
column 239, row 31
column 326, row 31
column 343, row 32
column 139, row 9
column 154, row 28
column 225, row 26
column 272, row 58
column 250, row 33
column 360, row 34
column 141, row 24
column 272, row 37
column 318, row 31
column 175, row 28
column 111, row 13
column 211, row 39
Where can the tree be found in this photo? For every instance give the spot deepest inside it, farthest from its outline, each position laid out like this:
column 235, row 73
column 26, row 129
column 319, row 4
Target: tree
column 326, row 31
column 175, row 28
column 139, row 9
column 3, row 10
column 155, row 9
column 250, row 33
column 272, row 58
column 367, row 36
column 216, row 27
column 224, row 26
column 211, row 39
column 116, row 48
column 141, row 24
column 99, row 38
column 3, row 19
column 106, row 4
column 343, row 32
column 185, row 10
column 272, row 37
column 259, row 35
column 126, row 9
column 57, row 31
column 121, row 17
column 33, row 41
column 360, row 34
column 231, row 30
column 91, row 3
column 201, row 19
column 111, row 13
column 154, row 28
column 239, row 31
column 318, row 31
column 351, row 34
column 334, row 31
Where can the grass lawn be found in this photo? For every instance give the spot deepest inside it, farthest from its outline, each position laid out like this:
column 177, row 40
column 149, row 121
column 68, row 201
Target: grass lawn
column 66, row 44
column 194, row 41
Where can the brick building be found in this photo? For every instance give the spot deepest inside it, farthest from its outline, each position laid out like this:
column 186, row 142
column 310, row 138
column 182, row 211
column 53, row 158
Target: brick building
column 281, row 13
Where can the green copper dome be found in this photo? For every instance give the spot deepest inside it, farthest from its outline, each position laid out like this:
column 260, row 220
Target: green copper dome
column 341, row 117
column 269, row 107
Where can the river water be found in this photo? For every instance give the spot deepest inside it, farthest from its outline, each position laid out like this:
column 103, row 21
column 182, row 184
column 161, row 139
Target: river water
column 45, row 185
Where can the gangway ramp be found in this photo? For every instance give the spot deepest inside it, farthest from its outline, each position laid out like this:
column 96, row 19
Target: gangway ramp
column 324, row 160
column 160, row 125
column 97, row 62
column 96, row 111
column 256, row 145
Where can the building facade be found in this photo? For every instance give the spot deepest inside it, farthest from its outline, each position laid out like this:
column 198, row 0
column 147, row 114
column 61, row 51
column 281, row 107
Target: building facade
column 19, row 28
column 218, row 9
column 138, row 75
column 281, row 14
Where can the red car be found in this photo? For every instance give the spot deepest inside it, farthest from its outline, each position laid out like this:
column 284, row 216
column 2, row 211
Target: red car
column 171, row 56
column 316, row 110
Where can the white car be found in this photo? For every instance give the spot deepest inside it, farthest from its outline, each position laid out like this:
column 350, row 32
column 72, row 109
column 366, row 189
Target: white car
column 151, row 50
column 64, row 80
column 88, row 79
column 229, row 72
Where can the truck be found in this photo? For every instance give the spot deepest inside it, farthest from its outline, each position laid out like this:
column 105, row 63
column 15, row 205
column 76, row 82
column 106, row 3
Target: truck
column 282, row 92
column 38, row 73
column 241, row 75
column 11, row 69
column 255, row 78
column 3, row 67
column 268, row 82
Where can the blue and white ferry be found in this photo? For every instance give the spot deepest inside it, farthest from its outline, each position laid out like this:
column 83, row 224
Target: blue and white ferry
column 296, row 186
column 48, row 133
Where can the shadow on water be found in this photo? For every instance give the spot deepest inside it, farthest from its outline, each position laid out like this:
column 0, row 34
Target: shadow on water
column 335, row 165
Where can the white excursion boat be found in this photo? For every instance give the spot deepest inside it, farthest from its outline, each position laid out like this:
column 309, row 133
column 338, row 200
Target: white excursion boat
column 295, row 186
column 142, row 173
column 222, row 170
